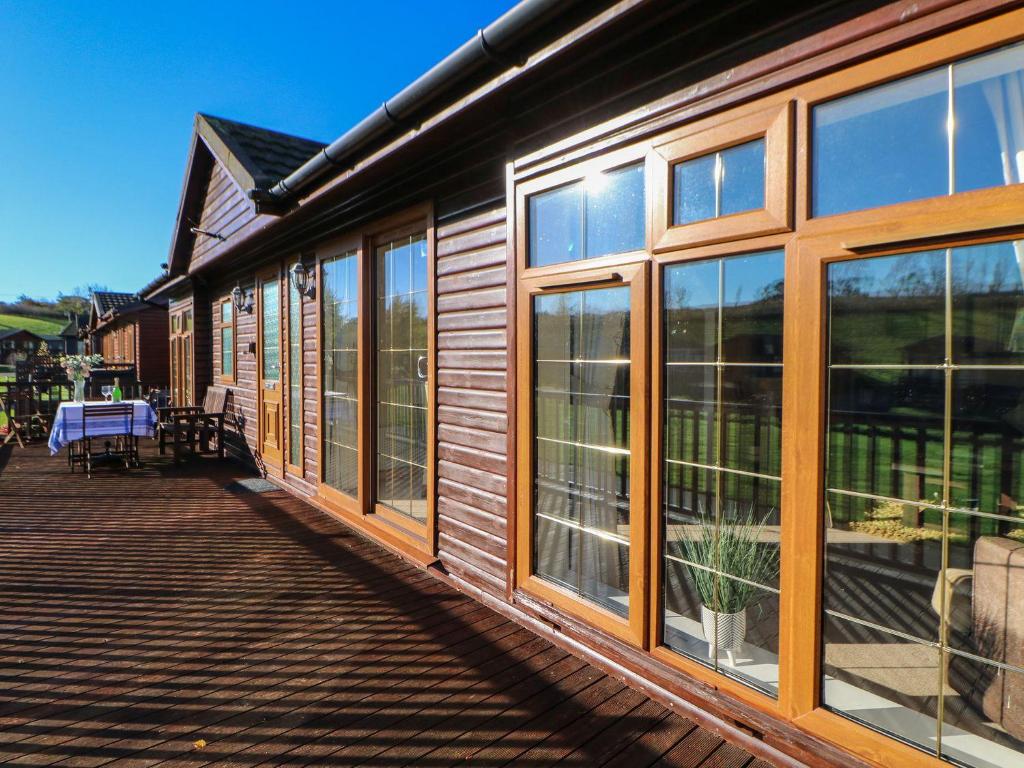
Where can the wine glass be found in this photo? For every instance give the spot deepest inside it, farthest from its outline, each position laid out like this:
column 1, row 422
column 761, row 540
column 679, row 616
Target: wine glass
column 107, row 391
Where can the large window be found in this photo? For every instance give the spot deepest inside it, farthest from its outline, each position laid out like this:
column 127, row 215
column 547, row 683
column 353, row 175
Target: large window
column 951, row 129
column 925, row 498
column 582, row 480
column 339, row 367
column 722, row 342
column 402, row 375
column 294, row 376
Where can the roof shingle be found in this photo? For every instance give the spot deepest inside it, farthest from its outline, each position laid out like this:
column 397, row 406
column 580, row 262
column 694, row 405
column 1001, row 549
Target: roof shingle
column 267, row 155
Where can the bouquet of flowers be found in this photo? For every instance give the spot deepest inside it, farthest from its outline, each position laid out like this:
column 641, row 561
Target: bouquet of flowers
column 80, row 366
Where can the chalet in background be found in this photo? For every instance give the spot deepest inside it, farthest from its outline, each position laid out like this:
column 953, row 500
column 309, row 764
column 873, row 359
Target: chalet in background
column 17, row 343
column 131, row 334
column 74, row 335
column 686, row 334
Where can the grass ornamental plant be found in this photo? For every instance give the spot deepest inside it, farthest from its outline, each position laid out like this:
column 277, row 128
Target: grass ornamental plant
column 735, row 549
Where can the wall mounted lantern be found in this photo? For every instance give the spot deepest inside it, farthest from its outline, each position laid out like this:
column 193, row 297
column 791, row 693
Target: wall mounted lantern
column 302, row 279
column 242, row 299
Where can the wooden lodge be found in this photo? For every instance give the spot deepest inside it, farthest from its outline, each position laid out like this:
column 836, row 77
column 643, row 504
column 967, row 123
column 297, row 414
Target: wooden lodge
column 131, row 334
column 688, row 335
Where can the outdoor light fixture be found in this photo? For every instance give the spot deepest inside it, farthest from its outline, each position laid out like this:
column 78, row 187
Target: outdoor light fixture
column 302, row 280
column 242, row 299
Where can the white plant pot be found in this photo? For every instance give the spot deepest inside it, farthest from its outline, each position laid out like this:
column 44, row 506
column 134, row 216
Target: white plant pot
column 726, row 631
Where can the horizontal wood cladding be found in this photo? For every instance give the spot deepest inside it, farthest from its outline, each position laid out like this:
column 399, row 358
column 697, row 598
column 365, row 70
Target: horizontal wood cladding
column 472, row 355
column 225, row 211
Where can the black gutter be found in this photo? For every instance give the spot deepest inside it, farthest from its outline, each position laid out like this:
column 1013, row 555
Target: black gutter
column 491, row 45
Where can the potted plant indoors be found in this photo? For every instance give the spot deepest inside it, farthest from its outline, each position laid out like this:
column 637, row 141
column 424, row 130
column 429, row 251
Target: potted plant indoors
column 733, row 549
column 79, row 367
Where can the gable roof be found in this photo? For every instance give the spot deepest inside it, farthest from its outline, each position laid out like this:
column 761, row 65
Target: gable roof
column 17, row 332
column 253, row 158
column 74, row 324
column 265, row 156
column 104, row 301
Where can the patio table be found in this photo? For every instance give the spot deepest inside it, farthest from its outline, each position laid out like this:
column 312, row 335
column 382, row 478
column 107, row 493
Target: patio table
column 67, row 424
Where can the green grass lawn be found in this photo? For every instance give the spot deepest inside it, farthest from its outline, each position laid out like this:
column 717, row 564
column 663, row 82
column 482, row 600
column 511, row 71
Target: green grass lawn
column 41, row 325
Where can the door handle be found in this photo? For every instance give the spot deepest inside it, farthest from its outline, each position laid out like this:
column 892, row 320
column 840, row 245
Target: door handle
column 421, row 367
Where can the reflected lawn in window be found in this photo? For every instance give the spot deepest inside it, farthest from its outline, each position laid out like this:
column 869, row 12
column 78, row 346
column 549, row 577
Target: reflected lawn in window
column 339, row 317
column 722, row 432
column 581, row 500
column 923, row 525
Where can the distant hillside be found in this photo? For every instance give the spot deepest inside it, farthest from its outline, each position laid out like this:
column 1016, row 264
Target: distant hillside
column 44, row 326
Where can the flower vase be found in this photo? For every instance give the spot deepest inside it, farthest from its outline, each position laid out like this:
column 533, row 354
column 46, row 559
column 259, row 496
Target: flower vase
column 79, row 390
column 724, row 630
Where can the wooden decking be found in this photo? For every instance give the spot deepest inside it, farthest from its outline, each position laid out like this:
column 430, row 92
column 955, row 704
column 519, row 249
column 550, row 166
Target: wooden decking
column 158, row 618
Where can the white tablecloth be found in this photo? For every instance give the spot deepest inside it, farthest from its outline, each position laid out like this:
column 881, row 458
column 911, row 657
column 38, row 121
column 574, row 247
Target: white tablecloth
column 67, row 425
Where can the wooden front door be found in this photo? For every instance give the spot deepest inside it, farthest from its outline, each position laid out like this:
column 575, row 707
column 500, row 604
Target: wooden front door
column 268, row 287
column 181, row 357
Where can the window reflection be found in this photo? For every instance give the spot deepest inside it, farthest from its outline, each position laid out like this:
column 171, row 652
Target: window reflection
column 899, row 141
column 582, row 448
column 600, row 215
column 402, row 376
column 339, row 318
column 925, row 536
column 722, row 442
column 719, row 184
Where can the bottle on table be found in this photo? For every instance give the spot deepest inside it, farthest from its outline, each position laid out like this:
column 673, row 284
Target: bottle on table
column 115, row 396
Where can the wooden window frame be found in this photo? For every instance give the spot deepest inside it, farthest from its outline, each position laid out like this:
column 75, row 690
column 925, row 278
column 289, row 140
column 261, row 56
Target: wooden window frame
column 774, row 124
column 219, row 325
column 660, row 651
column 569, row 175
column 962, row 218
column 632, row 629
column 416, row 541
column 298, row 470
column 352, row 506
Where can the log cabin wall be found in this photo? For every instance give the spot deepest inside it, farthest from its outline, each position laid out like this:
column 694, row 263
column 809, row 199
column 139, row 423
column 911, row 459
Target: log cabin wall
column 151, row 347
column 474, row 362
column 472, row 420
column 225, row 211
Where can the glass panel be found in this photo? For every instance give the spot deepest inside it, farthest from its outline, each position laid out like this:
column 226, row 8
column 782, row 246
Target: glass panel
column 752, row 308
column 987, row 462
column 227, row 352
column 885, row 432
column 401, row 356
column 721, row 557
column 988, row 304
column 556, row 223
column 602, row 214
column 720, row 183
column 989, row 134
column 226, row 312
column 695, row 190
column 882, row 680
column 742, row 178
column 270, row 328
column 581, row 471
column 339, row 312
column 866, row 154
column 888, row 310
column 925, row 537
column 294, row 375
column 614, row 212
column 691, row 312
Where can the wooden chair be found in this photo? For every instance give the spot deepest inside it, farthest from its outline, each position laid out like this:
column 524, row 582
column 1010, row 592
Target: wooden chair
column 125, row 444
column 193, row 428
column 24, row 418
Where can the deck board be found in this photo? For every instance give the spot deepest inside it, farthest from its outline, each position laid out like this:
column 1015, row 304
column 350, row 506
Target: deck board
column 142, row 613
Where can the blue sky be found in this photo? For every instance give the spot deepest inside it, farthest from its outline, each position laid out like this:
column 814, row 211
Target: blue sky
column 98, row 100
